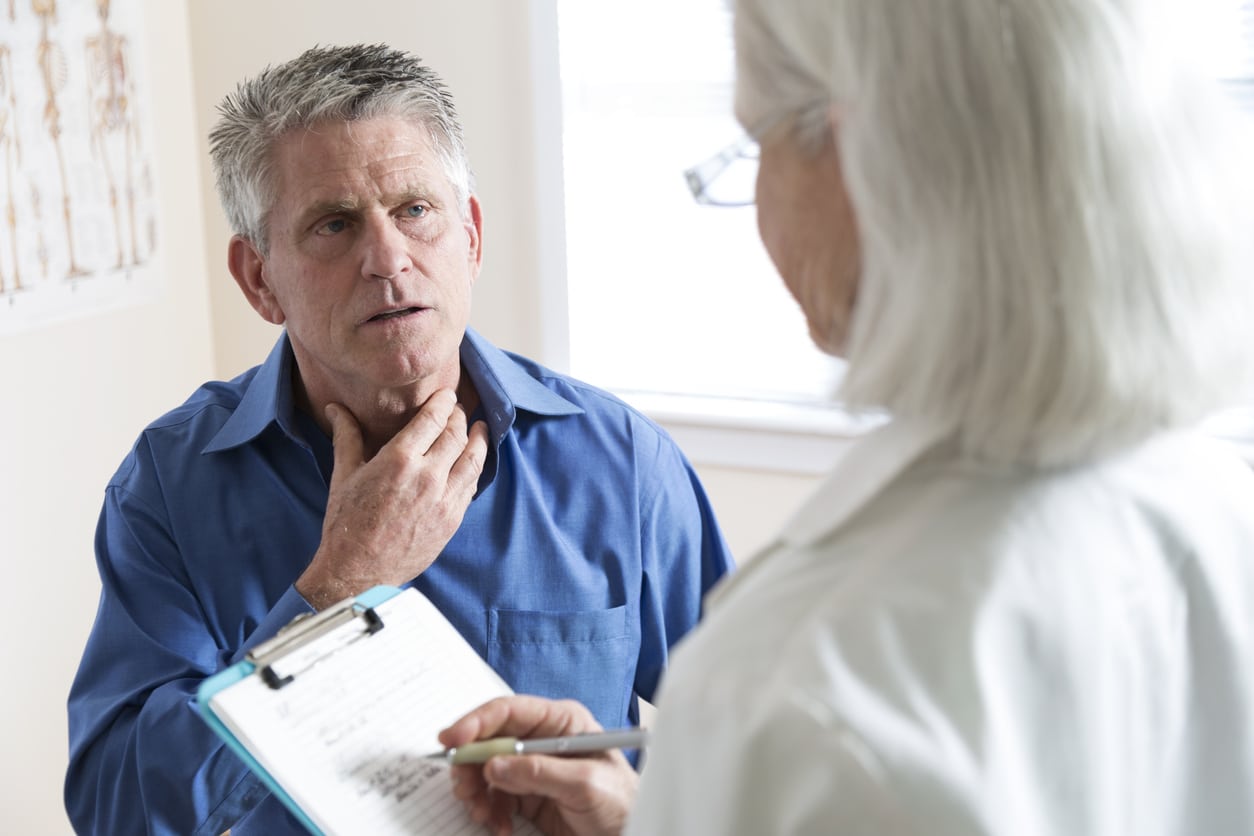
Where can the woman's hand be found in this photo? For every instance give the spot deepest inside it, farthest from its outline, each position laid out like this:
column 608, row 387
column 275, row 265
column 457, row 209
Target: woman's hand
column 565, row 796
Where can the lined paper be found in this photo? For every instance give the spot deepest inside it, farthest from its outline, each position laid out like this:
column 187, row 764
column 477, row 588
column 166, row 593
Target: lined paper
column 346, row 737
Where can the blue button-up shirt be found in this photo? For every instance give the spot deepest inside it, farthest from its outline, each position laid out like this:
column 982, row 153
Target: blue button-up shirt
column 580, row 562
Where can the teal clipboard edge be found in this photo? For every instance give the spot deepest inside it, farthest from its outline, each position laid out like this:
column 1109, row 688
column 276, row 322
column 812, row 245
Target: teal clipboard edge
column 227, row 677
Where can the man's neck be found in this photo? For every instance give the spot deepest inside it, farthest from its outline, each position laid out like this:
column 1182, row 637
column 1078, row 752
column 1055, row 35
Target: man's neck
column 381, row 414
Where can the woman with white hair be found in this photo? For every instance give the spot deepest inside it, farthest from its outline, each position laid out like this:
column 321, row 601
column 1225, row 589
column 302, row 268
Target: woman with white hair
column 1026, row 604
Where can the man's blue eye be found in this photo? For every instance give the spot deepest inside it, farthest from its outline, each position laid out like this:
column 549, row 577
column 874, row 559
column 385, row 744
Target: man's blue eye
column 416, row 211
column 334, row 226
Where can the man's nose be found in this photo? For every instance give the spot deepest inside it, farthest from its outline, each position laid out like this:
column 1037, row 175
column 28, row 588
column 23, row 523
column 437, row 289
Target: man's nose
column 385, row 249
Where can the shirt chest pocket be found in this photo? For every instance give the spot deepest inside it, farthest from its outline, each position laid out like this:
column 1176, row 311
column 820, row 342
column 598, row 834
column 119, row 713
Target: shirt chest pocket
column 588, row 655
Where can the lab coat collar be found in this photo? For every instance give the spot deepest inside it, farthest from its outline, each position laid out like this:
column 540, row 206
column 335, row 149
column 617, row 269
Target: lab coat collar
column 862, row 472
column 865, row 469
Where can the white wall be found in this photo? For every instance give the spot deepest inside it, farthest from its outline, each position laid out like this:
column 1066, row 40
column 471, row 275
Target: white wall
column 76, row 395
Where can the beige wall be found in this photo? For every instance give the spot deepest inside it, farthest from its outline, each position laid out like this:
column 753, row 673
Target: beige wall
column 76, row 395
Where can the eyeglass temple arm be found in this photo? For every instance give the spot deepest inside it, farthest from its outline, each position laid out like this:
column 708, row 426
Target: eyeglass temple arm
column 700, row 175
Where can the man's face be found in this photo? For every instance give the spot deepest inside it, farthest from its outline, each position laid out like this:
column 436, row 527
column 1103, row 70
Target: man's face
column 371, row 259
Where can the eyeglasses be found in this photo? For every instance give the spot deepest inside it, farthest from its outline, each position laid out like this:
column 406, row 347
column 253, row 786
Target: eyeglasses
column 729, row 178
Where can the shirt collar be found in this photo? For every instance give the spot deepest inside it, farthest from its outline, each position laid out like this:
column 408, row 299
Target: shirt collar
column 504, row 387
column 267, row 400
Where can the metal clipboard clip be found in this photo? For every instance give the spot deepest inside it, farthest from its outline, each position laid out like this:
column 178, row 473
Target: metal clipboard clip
column 304, row 630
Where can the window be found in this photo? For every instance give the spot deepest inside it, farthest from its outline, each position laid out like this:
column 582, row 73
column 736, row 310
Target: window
column 676, row 306
column 1226, row 27
column 672, row 297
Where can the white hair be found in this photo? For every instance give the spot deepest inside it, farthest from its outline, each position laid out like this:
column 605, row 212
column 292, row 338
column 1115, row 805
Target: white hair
column 332, row 83
column 1054, row 212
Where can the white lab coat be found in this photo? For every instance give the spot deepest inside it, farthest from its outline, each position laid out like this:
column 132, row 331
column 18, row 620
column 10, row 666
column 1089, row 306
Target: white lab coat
column 937, row 646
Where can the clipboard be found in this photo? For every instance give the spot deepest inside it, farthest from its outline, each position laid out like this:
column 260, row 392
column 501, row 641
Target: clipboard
column 335, row 713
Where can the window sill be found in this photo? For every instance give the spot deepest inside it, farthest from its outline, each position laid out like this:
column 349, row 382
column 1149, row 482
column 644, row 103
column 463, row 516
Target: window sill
column 754, row 435
column 807, row 440
column 1234, row 427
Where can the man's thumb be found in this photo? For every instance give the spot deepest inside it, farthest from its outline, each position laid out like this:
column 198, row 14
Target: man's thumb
column 345, row 436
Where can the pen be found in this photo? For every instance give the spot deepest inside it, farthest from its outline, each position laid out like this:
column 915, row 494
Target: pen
column 481, row 750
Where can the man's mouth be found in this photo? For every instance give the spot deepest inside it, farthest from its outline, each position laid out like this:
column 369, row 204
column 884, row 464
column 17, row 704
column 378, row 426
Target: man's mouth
column 393, row 314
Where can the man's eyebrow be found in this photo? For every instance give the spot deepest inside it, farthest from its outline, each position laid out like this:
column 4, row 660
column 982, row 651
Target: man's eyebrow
column 335, row 206
column 410, row 195
column 351, row 205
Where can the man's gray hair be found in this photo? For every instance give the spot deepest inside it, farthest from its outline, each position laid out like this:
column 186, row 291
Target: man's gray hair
column 336, row 83
column 1053, row 206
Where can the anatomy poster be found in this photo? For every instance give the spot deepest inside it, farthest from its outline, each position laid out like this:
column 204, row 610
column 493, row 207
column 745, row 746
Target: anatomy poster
column 78, row 218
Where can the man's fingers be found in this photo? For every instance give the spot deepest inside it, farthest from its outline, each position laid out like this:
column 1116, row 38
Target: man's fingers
column 450, row 443
column 345, row 438
column 428, row 425
column 463, row 477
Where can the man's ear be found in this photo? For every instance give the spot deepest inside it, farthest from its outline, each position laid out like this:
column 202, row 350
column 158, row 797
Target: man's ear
column 248, row 266
column 474, row 230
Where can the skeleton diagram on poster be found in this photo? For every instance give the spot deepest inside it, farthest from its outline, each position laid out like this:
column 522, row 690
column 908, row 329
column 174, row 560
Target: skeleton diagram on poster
column 78, row 220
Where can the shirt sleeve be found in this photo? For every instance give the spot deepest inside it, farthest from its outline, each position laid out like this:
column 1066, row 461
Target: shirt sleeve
column 684, row 555
column 142, row 760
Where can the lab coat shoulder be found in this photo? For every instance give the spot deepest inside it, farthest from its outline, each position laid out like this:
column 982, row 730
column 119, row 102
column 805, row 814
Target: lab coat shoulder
column 940, row 659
